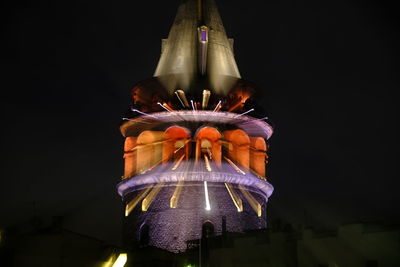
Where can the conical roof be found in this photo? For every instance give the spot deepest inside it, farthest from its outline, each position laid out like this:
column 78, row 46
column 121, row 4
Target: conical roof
column 196, row 80
column 197, row 49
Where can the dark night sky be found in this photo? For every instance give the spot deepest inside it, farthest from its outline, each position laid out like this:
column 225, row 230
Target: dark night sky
column 328, row 71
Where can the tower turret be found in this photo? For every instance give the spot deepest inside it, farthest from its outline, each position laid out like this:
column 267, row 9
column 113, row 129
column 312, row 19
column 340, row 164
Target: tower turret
column 195, row 160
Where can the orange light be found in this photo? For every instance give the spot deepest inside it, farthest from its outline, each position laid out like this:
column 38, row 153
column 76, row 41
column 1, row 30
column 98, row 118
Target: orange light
column 235, row 106
column 167, row 107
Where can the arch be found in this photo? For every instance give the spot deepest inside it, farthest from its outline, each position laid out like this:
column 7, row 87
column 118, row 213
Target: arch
column 258, row 155
column 148, row 137
column 130, row 156
column 176, row 132
column 209, row 133
column 207, row 229
column 237, row 137
column 239, row 146
column 206, row 137
column 258, row 143
column 176, row 143
column 149, row 149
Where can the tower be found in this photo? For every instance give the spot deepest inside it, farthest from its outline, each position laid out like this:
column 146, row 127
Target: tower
column 195, row 140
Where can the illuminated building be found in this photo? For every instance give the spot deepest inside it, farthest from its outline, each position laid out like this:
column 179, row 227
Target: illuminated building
column 195, row 149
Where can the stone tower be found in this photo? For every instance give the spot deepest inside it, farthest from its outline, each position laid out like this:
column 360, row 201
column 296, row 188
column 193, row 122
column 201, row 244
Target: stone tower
column 195, row 141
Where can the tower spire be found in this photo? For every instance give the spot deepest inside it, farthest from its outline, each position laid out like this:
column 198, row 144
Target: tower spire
column 200, row 10
column 197, row 46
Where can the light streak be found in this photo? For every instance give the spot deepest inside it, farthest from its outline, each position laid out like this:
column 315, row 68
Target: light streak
column 132, row 204
column 208, row 206
column 194, row 109
column 152, row 167
column 121, row 260
column 173, row 203
column 150, row 197
column 180, row 100
column 126, row 119
column 161, row 105
column 208, row 167
column 234, row 166
column 244, row 113
column 235, row 198
column 178, row 163
column 235, row 106
column 256, row 174
column 187, row 141
column 252, row 201
column 217, row 107
column 168, row 107
column 143, row 113
column 151, row 144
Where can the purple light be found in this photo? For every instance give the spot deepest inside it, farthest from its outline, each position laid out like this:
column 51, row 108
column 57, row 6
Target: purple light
column 254, row 127
column 203, row 35
column 265, row 118
column 244, row 113
column 224, row 174
column 142, row 113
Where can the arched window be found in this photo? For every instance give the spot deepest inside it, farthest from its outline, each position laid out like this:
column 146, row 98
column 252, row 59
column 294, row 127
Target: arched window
column 239, row 144
column 207, row 230
column 208, row 143
column 176, row 143
column 149, row 149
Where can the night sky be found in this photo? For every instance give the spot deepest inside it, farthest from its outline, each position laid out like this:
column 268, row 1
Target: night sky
column 328, row 71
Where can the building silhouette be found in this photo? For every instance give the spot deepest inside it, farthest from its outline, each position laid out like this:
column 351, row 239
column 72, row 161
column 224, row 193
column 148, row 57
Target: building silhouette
column 359, row 244
column 195, row 141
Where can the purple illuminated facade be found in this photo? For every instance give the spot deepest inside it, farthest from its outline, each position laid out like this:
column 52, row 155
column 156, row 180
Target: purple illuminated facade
column 196, row 141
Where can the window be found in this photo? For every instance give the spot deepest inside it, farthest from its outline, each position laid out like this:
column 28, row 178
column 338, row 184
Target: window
column 207, row 230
